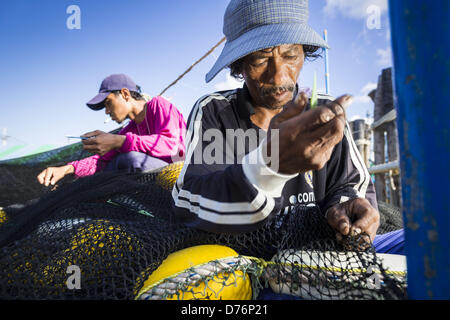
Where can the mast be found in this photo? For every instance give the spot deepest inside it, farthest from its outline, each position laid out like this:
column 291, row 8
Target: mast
column 327, row 74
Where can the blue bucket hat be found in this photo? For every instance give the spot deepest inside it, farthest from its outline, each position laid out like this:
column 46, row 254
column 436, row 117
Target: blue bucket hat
column 253, row 25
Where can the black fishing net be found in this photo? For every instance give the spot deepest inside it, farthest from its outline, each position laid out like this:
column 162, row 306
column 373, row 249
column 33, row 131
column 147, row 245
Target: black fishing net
column 119, row 228
column 18, row 183
column 390, row 218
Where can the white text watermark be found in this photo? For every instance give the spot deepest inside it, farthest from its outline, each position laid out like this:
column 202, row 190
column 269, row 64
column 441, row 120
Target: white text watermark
column 74, row 20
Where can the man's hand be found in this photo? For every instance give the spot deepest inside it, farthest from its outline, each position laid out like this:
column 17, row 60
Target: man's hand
column 353, row 217
column 100, row 142
column 51, row 175
column 307, row 139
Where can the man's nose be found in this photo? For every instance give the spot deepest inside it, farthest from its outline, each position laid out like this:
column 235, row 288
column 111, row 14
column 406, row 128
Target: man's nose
column 277, row 73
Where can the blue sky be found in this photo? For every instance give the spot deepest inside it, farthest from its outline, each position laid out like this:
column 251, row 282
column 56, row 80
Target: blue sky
column 49, row 72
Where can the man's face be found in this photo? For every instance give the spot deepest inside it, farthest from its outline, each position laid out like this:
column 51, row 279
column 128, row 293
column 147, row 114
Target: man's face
column 271, row 74
column 116, row 107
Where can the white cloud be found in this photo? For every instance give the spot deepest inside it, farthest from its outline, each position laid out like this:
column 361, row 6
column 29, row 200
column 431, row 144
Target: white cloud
column 228, row 84
column 356, row 9
column 363, row 98
column 368, row 87
column 384, row 57
column 362, row 105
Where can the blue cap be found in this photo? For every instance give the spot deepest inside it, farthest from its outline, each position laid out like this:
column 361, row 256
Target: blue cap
column 112, row 83
column 253, row 25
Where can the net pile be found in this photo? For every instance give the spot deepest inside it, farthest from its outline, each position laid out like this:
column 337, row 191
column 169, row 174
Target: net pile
column 119, row 228
column 18, row 182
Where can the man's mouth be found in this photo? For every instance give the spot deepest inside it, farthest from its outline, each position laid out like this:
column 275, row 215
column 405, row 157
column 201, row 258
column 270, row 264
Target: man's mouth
column 276, row 98
column 279, row 95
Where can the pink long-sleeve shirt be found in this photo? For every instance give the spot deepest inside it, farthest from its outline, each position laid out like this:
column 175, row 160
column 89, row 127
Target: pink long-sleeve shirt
column 165, row 140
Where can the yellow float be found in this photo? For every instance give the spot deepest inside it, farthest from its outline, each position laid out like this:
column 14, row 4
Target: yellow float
column 200, row 272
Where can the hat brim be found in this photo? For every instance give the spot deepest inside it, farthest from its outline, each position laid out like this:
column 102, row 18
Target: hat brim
column 96, row 103
column 262, row 38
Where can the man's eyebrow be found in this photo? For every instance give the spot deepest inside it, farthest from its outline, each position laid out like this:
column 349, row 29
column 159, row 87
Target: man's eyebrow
column 292, row 48
column 258, row 55
column 263, row 53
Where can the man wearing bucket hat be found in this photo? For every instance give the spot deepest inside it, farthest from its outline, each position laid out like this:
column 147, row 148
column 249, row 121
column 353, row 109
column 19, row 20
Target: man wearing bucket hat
column 153, row 138
column 302, row 155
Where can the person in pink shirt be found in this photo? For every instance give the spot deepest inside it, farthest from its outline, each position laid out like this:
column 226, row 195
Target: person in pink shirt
column 153, row 138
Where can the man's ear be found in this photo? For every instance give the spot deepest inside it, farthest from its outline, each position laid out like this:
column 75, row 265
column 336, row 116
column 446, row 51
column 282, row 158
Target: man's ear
column 125, row 94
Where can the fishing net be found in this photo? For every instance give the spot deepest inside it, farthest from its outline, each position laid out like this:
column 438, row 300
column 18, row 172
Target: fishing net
column 18, row 183
column 390, row 218
column 117, row 229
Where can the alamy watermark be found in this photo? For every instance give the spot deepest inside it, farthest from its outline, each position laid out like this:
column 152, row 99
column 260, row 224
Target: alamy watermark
column 212, row 146
column 74, row 20
column 373, row 20
column 373, row 281
column 74, row 280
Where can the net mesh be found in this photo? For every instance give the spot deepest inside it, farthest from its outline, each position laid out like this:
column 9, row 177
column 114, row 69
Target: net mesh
column 18, row 182
column 119, row 228
column 390, row 218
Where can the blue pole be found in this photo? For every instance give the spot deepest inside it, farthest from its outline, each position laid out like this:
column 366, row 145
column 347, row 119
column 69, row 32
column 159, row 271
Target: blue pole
column 327, row 74
column 421, row 48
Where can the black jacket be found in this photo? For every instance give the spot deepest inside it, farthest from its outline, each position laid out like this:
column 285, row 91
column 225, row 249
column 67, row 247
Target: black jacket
column 221, row 190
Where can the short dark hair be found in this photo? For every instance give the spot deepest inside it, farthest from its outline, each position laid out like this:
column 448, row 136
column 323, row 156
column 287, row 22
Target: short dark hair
column 311, row 53
column 134, row 94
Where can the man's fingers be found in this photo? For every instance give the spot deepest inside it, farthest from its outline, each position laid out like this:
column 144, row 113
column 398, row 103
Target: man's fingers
column 329, row 134
column 296, row 106
column 363, row 222
column 339, row 220
column 92, row 133
column 54, row 180
column 41, row 176
column 339, row 105
column 323, row 114
column 323, row 139
column 367, row 223
column 47, row 178
column 88, row 134
column 94, row 148
column 365, row 217
column 89, row 141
